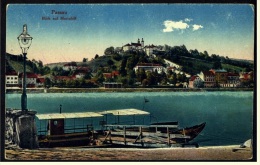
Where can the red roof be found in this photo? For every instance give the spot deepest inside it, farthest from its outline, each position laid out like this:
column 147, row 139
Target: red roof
column 107, row 75
column 28, row 75
column 193, row 78
column 148, row 64
column 208, row 73
column 11, row 73
column 83, row 68
column 115, row 73
column 40, row 80
column 110, row 75
column 232, row 74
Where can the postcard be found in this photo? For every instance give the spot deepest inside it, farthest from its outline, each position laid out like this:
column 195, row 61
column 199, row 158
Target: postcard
column 139, row 82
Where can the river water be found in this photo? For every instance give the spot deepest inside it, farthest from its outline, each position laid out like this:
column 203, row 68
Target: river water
column 229, row 115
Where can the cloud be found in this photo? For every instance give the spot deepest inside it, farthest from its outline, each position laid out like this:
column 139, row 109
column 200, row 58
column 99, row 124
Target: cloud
column 197, row 27
column 171, row 25
column 187, row 19
column 182, row 25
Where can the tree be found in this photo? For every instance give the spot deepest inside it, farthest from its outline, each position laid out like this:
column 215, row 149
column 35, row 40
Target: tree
column 96, row 56
column 217, row 65
column 109, row 51
column 110, row 62
column 85, row 60
column 100, row 76
column 47, row 82
column 140, row 75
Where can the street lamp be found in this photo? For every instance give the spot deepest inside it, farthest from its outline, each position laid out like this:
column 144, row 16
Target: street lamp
column 25, row 41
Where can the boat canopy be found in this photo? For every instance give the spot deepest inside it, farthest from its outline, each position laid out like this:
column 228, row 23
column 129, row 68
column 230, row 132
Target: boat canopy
column 67, row 115
column 125, row 112
column 119, row 112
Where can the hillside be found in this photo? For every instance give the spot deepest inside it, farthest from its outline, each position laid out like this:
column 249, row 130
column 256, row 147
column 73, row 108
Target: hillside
column 192, row 64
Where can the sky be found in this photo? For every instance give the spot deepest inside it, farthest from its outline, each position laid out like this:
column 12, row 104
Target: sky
column 222, row 29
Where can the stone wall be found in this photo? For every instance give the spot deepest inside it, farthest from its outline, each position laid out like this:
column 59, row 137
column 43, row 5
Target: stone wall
column 21, row 129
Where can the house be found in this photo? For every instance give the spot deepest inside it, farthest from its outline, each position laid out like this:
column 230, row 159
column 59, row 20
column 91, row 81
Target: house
column 246, row 78
column 149, row 67
column 70, row 66
column 31, row 79
column 113, row 74
column 195, row 82
column 11, row 79
column 149, row 49
column 40, row 81
column 208, row 78
column 233, row 80
column 220, row 77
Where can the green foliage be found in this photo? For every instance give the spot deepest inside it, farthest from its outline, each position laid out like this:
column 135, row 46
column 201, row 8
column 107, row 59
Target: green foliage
column 109, row 51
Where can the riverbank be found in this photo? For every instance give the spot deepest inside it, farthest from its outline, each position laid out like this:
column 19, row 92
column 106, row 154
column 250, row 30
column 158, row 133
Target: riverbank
column 227, row 153
column 96, row 90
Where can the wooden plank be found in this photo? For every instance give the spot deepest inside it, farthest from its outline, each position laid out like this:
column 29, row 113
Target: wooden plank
column 150, row 145
column 64, row 140
column 144, row 126
column 130, row 133
column 67, row 135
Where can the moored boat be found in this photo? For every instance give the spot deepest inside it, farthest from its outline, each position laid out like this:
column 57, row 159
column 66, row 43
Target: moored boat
column 163, row 134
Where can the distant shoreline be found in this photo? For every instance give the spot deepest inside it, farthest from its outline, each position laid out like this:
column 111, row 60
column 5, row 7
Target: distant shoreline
column 97, row 90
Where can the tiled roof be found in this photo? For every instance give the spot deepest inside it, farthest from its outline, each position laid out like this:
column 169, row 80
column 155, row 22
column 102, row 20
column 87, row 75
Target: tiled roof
column 148, row 64
column 193, row 78
column 135, row 44
column 28, row 75
column 11, row 73
column 208, row 73
column 150, row 46
column 40, row 80
column 127, row 44
column 232, row 74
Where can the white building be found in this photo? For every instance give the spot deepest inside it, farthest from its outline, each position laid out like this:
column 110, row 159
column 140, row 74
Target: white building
column 149, row 67
column 195, row 82
column 70, row 66
column 11, row 79
column 149, row 49
column 30, row 79
column 134, row 46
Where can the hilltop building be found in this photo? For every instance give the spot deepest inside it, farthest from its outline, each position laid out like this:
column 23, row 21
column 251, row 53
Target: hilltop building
column 134, row 46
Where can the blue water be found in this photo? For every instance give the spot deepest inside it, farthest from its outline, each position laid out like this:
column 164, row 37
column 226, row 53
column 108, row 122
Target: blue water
column 229, row 115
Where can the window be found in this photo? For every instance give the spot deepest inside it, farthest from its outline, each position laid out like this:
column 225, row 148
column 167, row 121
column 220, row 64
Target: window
column 8, row 78
column 15, row 78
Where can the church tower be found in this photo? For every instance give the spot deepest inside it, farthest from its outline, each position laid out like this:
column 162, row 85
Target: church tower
column 142, row 43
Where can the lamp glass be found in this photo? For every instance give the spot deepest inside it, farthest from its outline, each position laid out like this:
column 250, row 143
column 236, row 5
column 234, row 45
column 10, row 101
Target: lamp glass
column 24, row 39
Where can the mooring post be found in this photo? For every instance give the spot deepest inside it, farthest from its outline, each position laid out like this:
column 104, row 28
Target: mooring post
column 60, row 108
column 141, row 133
column 124, row 135
column 168, row 133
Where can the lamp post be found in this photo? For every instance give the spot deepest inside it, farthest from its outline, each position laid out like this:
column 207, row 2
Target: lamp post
column 25, row 41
